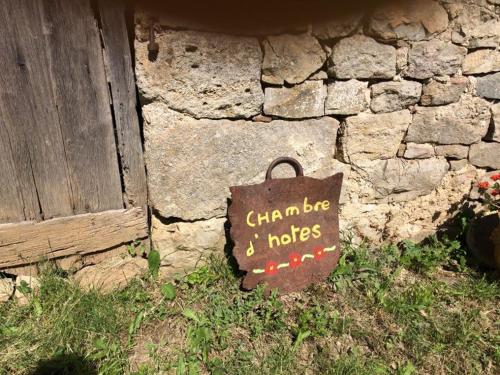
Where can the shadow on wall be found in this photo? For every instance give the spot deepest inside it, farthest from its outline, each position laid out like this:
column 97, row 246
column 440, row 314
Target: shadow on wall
column 65, row 364
column 228, row 248
column 459, row 214
column 474, row 231
column 256, row 16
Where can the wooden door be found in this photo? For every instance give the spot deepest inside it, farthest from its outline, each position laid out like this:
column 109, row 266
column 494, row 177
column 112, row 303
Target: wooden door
column 70, row 144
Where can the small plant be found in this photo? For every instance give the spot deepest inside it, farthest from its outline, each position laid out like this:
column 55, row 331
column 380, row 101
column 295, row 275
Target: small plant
column 109, row 355
column 201, row 276
column 168, row 291
column 24, row 287
column 154, row 263
column 319, row 320
column 135, row 325
column 426, row 258
column 489, row 191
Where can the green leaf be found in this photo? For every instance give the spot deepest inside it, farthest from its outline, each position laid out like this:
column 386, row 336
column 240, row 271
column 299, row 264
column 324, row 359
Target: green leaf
column 300, row 339
column 407, row 369
column 154, row 263
column 190, row 314
column 100, row 344
column 168, row 291
column 134, row 326
column 131, row 251
column 181, row 365
column 38, row 308
column 24, row 287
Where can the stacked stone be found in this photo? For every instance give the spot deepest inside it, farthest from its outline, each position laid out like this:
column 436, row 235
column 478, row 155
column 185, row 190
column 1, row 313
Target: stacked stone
column 403, row 104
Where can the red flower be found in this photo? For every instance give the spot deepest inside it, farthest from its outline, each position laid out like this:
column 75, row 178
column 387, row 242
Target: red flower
column 319, row 251
column 483, row 185
column 495, row 193
column 295, row 260
column 271, row 267
column 495, row 177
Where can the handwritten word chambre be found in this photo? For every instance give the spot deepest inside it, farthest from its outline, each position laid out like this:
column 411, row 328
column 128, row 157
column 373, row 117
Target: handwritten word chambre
column 259, row 219
column 296, row 233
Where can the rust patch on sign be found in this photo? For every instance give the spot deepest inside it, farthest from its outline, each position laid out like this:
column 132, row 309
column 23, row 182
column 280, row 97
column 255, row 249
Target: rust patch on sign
column 286, row 231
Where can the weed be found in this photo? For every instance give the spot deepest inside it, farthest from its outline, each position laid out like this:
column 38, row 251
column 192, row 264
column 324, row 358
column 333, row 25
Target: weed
column 428, row 257
column 154, row 263
column 320, row 320
column 168, row 291
column 202, row 276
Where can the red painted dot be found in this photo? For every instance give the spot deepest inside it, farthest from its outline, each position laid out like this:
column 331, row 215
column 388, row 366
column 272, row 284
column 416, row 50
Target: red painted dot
column 319, row 252
column 271, row 268
column 295, row 260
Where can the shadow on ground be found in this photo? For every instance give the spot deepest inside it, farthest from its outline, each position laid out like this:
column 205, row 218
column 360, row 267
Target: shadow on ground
column 65, row 364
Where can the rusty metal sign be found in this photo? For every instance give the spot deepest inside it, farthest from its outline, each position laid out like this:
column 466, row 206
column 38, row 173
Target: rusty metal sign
column 286, row 231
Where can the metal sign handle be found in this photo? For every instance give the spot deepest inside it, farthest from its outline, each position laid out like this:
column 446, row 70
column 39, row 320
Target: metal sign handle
column 284, row 160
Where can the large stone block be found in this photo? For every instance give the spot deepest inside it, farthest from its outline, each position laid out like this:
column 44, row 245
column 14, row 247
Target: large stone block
column 291, row 58
column 440, row 93
column 184, row 246
column 394, row 96
column 478, row 25
column 112, row 274
column 397, row 180
column 301, row 101
column 418, row 151
column 408, row 20
column 486, row 34
column 369, row 136
column 481, row 61
column 452, row 151
column 485, row 154
column 433, row 58
column 362, row 57
column 347, row 97
column 464, row 122
column 192, row 163
column 6, row 289
column 489, row 86
column 342, row 26
column 203, row 74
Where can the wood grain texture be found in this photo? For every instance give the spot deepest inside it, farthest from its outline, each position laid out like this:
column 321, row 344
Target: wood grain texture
column 11, row 205
column 57, row 146
column 120, row 75
column 28, row 242
column 30, row 126
column 83, row 104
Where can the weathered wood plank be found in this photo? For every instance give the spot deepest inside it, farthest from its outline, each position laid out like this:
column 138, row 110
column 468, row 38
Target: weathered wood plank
column 123, row 92
column 28, row 242
column 11, row 205
column 27, row 109
column 83, row 104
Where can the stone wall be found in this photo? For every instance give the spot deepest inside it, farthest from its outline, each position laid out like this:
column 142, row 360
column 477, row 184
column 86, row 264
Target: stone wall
column 402, row 100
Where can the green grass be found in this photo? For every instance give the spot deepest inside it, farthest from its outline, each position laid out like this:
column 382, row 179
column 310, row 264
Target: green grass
column 413, row 309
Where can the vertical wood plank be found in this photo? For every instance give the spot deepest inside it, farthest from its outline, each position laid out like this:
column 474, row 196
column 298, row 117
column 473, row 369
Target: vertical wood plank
column 83, row 104
column 29, row 119
column 11, row 205
column 123, row 92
